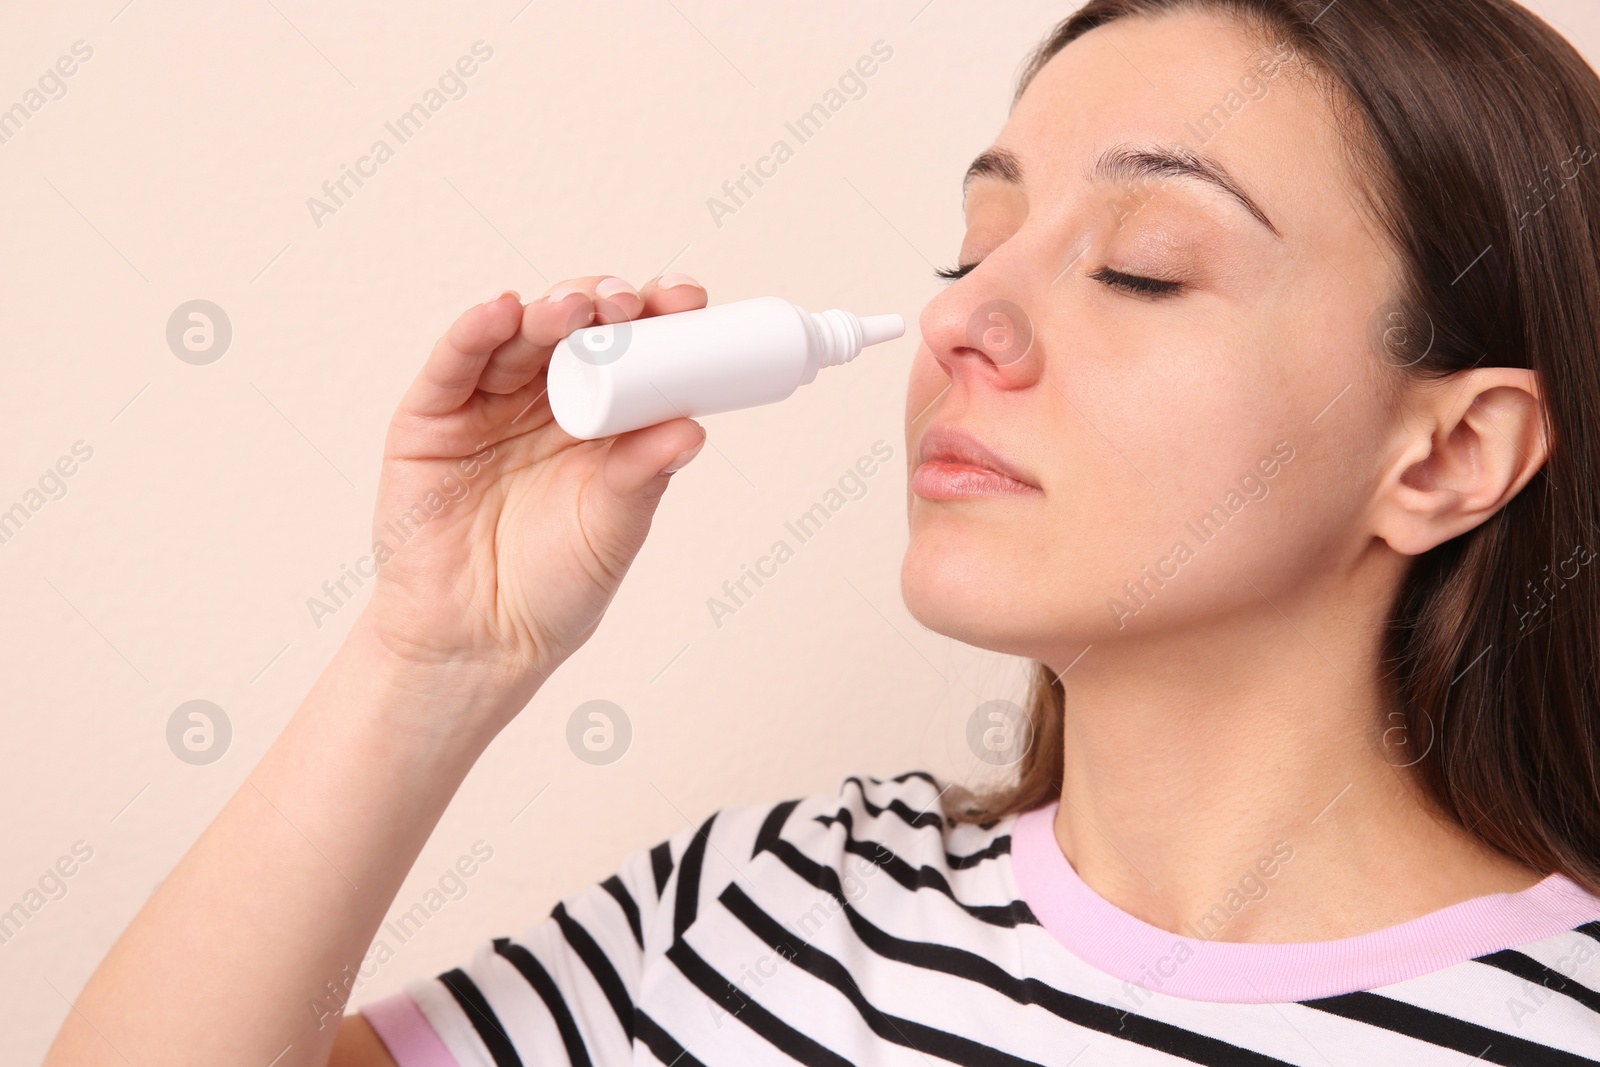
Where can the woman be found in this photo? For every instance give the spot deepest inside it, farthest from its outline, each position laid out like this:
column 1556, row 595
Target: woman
column 1262, row 417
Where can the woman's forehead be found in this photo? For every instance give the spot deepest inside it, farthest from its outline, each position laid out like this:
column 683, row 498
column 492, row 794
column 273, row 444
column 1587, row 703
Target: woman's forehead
column 1207, row 90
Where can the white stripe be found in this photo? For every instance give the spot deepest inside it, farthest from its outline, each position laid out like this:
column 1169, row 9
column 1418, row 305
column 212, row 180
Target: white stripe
column 523, row 1016
column 797, row 999
column 1490, row 997
column 439, row 1007
column 1573, row 955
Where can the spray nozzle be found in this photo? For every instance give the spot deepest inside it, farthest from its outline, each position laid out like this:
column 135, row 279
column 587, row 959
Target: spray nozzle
column 876, row 328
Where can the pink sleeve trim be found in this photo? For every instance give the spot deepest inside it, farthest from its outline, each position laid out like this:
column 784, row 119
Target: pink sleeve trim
column 405, row 1032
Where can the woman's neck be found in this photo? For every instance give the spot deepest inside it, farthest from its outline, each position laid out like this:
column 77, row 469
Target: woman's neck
column 1195, row 762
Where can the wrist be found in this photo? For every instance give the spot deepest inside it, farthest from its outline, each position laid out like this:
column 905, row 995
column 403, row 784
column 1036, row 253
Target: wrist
column 447, row 704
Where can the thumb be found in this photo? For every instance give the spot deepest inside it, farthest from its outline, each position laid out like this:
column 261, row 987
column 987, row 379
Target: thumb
column 623, row 498
column 636, row 459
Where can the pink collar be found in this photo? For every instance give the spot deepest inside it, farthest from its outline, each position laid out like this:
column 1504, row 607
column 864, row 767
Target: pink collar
column 1105, row 936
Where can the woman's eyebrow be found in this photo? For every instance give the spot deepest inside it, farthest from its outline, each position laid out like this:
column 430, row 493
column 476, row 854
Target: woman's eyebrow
column 997, row 162
column 1127, row 163
column 1134, row 162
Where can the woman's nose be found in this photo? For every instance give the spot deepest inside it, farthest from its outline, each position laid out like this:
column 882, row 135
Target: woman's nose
column 983, row 338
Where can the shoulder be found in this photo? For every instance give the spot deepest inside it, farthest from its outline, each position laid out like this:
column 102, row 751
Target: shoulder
column 906, row 814
column 833, row 845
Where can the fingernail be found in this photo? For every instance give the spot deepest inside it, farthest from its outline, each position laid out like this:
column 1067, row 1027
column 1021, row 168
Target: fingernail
column 667, row 281
column 682, row 459
column 614, row 287
column 502, row 294
column 561, row 294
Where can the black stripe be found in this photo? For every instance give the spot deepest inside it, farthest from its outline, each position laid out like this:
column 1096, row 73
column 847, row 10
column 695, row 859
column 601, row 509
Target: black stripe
column 947, row 959
column 689, row 879
column 661, row 866
column 779, row 1033
column 661, row 1044
column 537, row 977
column 477, row 1009
column 915, row 819
column 624, row 899
column 1592, row 929
column 925, row 877
column 892, row 1028
column 924, row 775
column 1469, row 1039
column 1524, row 966
column 594, row 957
column 931, row 780
column 772, row 826
column 1015, row 913
column 999, row 846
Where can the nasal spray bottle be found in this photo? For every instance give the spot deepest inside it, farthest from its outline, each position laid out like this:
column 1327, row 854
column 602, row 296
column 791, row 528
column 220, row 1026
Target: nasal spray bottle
column 619, row 376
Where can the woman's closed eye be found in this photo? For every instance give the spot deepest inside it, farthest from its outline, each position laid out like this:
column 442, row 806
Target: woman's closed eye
column 1135, row 283
column 952, row 273
column 1132, row 283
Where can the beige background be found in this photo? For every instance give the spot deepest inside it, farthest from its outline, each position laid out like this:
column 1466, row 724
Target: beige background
column 218, row 498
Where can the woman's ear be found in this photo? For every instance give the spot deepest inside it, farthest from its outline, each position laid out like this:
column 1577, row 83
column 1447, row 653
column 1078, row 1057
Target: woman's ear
column 1469, row 443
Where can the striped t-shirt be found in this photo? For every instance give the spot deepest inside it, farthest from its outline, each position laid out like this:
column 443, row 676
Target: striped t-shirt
column 865, row 927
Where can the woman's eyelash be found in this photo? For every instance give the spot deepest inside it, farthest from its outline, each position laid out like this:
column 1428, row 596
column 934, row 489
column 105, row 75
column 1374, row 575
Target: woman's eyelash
column 1132, row 283
column 1135, row 283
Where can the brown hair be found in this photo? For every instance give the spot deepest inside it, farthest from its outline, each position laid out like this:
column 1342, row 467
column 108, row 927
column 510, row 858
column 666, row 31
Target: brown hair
column 1471, row 122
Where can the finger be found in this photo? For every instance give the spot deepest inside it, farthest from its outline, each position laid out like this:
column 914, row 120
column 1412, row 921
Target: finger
column 571, row 305
column 615, row 300
column 544, row 322
column 671, row 292
column 677, row 292
column 451, row 373
column 491, row 419
column 613, row 297
column 586, row 284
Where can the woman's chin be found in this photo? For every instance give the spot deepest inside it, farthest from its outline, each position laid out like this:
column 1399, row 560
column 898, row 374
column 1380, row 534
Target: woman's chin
column 978, row 600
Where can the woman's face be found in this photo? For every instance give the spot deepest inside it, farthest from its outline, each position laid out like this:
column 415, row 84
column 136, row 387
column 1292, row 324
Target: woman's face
column 1192, row 455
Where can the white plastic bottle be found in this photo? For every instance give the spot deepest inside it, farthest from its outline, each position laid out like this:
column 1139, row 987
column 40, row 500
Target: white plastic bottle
column 616, row 377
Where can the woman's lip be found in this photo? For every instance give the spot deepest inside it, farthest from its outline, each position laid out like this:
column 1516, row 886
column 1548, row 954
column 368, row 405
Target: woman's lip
column 951, row 444
column 948, row 479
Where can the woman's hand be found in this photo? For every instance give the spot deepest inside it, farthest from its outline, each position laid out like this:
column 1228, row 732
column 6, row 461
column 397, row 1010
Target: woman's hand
column 508, row 537
column 501, row 541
